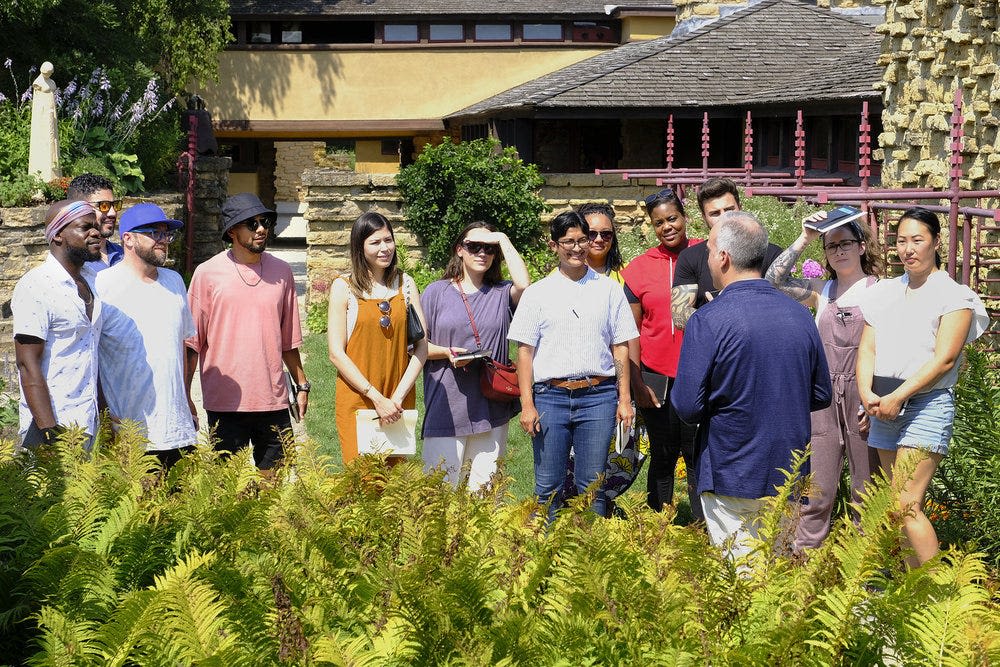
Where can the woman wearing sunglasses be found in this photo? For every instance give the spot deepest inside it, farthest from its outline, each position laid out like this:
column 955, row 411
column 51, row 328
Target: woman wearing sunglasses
column 853, row 262
column 653, row 356
column 914, row 331
column 367, row 332
column 461, row 426
column 603, row 256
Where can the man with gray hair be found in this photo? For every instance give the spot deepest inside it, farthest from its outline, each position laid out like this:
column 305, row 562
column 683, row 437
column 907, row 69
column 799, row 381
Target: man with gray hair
column 751, row 370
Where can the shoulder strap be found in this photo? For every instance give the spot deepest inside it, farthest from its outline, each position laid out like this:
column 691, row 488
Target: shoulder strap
column 468, row 309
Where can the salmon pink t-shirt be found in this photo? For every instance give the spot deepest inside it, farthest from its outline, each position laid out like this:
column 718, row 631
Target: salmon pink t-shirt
column 246, row 316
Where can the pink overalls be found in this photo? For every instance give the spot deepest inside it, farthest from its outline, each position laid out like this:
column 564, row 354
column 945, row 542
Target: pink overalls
column 835, row 429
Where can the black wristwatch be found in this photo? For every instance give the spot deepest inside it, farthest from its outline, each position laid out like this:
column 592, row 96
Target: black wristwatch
column 305, row 386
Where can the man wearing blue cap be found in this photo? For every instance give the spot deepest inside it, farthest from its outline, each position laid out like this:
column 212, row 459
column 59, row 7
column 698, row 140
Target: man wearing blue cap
column 141, row 354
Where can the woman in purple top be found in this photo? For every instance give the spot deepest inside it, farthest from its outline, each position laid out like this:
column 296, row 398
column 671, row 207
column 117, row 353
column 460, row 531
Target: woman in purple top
column 460, row 424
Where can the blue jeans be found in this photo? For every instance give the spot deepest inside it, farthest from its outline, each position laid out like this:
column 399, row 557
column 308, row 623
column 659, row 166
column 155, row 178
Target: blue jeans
column 583, row 419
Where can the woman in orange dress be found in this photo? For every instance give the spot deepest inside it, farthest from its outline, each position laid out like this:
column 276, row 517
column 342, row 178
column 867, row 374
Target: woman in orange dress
column 366, row 333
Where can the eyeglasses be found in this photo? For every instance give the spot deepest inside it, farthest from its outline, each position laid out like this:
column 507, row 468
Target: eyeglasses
column 105, row 206
column 605, row 235
column 842, row 246
column 569, row 244
column 385, row 309
column 665, row 193
column 165, row 236
column 258, row 221
column 476, row 247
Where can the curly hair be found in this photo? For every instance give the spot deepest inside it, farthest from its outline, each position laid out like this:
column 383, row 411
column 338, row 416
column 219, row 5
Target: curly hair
column 87, row 184
column 614, row 259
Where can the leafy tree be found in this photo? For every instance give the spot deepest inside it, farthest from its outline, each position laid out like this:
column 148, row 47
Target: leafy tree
column 178, row 39
column 451, row 185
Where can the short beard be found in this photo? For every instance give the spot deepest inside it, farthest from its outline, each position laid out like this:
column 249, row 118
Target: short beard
column 107, row 234
column 79, row 256
column 249, row 245
column 149, row 256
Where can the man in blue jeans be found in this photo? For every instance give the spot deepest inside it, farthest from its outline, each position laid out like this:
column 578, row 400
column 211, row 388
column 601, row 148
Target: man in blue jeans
column 572, row 329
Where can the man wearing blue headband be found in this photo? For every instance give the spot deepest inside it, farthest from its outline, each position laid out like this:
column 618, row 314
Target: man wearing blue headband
column 57, row 322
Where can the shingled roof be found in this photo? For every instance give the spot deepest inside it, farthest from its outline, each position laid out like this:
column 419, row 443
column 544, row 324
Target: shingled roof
column 776, row 51
column 437, row 8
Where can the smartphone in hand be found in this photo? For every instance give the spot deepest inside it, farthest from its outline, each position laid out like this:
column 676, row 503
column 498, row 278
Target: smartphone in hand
column 471, row 356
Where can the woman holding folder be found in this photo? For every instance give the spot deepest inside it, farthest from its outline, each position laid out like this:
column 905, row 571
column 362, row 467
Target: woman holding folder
column 653, row 356
column 366, row 333
column 915, row 328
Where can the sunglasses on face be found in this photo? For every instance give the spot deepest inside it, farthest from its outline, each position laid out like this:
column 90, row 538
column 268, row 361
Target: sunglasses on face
column 165, row 236
column 476, row 247
column 665, row 193
column 105, row 206
column 385, row 309
column 255, row 223
column 606, row 235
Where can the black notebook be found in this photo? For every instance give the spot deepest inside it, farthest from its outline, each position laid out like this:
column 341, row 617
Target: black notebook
column 835, row 218
column 658, row 383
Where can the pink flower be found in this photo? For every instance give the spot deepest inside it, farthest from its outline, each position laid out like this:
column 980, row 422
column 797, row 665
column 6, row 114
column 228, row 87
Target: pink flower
column 811, row 269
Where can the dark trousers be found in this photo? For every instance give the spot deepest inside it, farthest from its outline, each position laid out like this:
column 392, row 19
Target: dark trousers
column 266, row 430
column 669, row 438
column 168, row 457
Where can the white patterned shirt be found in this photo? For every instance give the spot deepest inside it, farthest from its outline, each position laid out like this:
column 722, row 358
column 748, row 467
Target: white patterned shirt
column 47, row 305
column 572, row 325
column 142, row 353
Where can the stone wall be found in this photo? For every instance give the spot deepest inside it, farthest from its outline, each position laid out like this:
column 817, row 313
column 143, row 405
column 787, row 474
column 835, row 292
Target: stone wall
column 291, row 159
column 929, row 48
column 336, row 199
column 211, row 190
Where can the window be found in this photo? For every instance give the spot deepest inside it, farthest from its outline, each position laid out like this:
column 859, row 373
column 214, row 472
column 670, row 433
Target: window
column 260, row 32
column 589, row 31
column 401, row 32
column 493, row 32
column 447, row 32
column 390, row 147
column 291, row 32
column 542, row 31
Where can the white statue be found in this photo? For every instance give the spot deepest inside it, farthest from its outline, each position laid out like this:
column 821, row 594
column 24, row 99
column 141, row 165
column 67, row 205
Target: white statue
column 43, row 155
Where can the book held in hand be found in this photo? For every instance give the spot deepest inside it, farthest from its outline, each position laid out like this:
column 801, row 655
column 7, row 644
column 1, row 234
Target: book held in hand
column 399, row 437
column 658, row 383
column 835, row 218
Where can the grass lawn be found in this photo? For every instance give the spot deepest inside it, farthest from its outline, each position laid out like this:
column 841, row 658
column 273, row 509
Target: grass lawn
column 322, row 428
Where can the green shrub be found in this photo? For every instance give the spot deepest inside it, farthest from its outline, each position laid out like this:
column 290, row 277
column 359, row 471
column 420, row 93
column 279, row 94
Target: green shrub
column 451, row 185
column 104, row 560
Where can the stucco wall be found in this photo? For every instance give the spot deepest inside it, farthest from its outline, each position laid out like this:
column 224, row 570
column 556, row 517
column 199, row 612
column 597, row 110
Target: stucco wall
column 373, row 83
column 638, row 28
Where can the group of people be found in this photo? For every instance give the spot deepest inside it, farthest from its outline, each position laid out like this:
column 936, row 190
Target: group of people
column 104, row 326
column 724, row 369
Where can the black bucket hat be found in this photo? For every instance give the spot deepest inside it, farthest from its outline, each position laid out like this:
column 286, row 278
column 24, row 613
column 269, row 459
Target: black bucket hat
column 242, row 207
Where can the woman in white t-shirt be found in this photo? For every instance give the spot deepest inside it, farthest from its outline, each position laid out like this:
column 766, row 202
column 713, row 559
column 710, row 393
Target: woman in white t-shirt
column 908, row 360
column 853, row 262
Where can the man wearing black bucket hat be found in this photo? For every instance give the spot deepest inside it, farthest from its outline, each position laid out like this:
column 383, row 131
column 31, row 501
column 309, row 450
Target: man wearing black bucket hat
column 247, row 321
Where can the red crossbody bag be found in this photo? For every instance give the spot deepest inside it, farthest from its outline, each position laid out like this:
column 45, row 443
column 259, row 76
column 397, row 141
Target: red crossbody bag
column 497, row 381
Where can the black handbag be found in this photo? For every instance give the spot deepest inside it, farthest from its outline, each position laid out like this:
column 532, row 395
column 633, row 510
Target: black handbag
column 414, row 329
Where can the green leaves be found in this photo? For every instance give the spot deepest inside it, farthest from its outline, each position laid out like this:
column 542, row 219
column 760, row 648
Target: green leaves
column 451, row 185
column 105, row 560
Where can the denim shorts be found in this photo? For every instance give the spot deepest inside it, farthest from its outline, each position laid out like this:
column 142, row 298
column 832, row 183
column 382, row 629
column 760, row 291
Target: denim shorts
column 926, row 424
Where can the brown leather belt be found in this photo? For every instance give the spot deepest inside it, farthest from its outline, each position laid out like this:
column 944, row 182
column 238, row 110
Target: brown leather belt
column 580, row 383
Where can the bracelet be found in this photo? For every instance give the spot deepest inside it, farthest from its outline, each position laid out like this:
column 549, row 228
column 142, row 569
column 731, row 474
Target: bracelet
column 368, row 389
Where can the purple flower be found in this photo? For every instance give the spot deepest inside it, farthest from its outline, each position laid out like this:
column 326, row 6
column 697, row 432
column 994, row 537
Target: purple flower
column 811, row 269
column 105, row 82
column 7, row 63
column 3, row 98
column 26, row 95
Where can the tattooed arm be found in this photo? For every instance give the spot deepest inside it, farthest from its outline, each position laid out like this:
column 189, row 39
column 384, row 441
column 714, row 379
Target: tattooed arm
column 626, row 412
column 779, row 273
column 682, row 300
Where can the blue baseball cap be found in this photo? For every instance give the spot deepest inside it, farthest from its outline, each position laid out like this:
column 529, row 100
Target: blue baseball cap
column 145, row 215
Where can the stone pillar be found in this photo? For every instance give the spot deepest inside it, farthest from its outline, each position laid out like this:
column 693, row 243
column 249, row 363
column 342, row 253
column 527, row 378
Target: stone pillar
column 210, row 191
